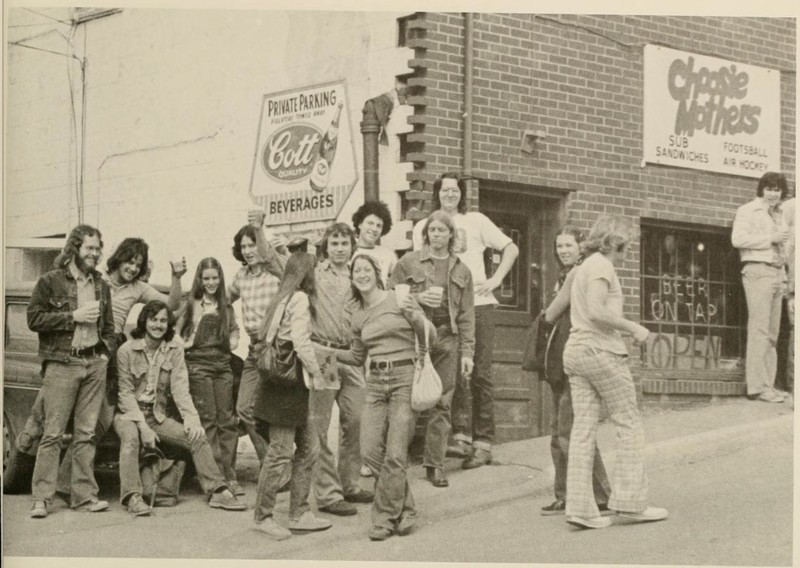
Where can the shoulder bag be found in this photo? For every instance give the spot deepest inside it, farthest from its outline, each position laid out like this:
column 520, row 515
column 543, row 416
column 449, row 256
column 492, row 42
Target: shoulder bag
column 426, row 390
column 277, row 362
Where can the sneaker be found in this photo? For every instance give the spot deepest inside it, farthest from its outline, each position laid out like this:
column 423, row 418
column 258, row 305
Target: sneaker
column 362, row 496
column 39, row 510
column 226, row 500
column 366, row 471
column 309, row 522
column 590, row 522
column 272, row 529
column 557, row 507
column 379, row 533
column 648, row 515
column 339, row 508
column 235, row 488
column 479, row 458
column 459, row 449
column 769, row 396
column 137, row 507
column 93, row 506
column 783, row 394
column 406, row 524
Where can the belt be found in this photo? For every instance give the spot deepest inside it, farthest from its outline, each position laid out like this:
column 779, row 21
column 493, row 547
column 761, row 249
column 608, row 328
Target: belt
column 329, row 344
column 96, row 349
column 389, row 365
column 772, row 264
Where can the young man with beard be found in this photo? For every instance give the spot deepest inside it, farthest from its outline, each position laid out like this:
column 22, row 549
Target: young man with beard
column 473, row 400
column 126, row 267
column 335, row 485
column 71, row 311
column 152, row 367
column 255, row 284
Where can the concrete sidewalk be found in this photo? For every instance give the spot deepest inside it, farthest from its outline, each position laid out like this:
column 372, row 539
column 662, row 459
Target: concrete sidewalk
column 524, row 469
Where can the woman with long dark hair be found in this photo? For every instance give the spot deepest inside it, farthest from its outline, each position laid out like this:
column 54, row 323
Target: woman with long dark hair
column 209, row 332
column 281, row 409
column 568, row 253
column 385, row 329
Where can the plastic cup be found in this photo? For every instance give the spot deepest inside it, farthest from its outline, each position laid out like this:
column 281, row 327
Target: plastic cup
column 177, row 263
column 402, row 291
column 439, row 291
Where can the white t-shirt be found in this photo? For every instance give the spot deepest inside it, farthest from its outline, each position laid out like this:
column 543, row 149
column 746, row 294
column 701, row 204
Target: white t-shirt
column 386, row 258
column 475, row 232
column 583, row 330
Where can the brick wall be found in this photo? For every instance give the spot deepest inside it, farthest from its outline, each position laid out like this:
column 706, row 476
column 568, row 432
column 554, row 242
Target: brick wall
column 580, row 78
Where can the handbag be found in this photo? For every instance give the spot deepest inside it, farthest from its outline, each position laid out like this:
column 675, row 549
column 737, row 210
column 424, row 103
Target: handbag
column 277, row 362
column 535, row 345
column 426, row 390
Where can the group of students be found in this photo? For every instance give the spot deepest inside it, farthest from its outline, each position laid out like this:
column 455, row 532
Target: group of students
column 357, row 320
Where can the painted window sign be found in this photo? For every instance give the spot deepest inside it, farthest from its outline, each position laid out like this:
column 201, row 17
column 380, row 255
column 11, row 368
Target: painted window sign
column 692, row 301
column 305, row 165
column 710, row 114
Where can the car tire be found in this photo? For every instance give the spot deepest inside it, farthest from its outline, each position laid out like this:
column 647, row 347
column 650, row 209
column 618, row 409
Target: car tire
column 17, row 466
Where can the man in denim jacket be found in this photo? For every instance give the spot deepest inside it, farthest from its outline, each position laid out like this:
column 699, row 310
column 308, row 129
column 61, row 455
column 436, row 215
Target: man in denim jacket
column 70, row 309
column 453, row 314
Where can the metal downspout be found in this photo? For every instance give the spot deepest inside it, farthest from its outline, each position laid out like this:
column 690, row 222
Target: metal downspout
column 370, row 128
column 469, row 36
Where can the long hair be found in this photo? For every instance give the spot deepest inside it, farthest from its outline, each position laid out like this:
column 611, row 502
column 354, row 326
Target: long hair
column 151, row 310
column 74, row 242
column 223, row 332
column 246, row 231
column 375, row 268
column 127, row 250
column 577, row 234
column 336, row 230
column 773, row 179
column 610, row 232
column 446, row 220
column 377, row 208
column 437, row 187
column 298, row 275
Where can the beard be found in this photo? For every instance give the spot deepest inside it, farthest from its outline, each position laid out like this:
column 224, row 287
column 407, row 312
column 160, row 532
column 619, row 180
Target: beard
column 82, row 265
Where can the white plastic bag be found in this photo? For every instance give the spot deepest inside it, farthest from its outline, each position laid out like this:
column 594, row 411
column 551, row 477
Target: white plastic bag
column 426, row 390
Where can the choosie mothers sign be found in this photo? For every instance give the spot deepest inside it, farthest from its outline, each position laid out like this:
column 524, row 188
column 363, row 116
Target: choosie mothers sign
column 305, row 164
column 711, row 114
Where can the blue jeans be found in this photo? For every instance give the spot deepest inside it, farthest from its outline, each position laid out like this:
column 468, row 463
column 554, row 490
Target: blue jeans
column 76, row 389
column 245, row 401
column 473, row 401
column 280, row 455
column 444, row 356
column 332, row 481
column 387, row 427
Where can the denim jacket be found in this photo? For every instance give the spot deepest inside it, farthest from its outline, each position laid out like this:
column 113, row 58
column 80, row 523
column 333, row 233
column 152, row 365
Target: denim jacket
column 417, row 270
column 54, row 298
column 173, row 379
column 752, row 232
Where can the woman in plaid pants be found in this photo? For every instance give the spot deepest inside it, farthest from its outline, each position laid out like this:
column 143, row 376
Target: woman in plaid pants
column 596, row 360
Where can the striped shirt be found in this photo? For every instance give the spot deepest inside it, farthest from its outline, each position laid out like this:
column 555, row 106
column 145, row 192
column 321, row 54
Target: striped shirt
column 256, row 287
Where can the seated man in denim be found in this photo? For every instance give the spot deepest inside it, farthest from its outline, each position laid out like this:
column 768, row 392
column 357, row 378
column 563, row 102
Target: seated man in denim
column 150, row 366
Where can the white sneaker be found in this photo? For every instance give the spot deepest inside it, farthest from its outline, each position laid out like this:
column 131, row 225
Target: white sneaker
column 648, row 515
column 590, row 522
column 272, row 529
column 309, row 522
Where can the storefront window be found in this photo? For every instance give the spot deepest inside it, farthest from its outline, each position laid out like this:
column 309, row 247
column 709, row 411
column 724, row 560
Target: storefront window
column 692, row 298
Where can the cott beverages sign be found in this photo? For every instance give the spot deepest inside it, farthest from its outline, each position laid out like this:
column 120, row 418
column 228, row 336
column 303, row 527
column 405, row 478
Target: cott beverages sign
column 707, row 113
column 305, row 167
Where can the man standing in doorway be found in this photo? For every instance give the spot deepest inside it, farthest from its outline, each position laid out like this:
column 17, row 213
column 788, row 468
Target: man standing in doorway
column 70, row 309
column 760, row 233
column 335, row 485
column 473, row 400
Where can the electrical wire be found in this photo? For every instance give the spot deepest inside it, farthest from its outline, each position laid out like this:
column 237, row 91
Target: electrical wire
column 66, row 23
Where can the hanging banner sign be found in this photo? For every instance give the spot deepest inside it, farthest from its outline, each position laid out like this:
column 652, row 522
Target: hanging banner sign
column 305, row 163
column 711, row 114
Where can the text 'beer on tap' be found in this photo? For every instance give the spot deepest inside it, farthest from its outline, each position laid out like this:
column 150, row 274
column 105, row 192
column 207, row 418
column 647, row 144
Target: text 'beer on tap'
column 321, row 172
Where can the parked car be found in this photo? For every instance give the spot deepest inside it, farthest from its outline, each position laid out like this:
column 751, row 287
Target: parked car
column 22, row 381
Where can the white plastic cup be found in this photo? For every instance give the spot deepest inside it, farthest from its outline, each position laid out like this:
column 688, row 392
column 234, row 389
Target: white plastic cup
column 177, row 263
column 402, row 291
column 439, row 291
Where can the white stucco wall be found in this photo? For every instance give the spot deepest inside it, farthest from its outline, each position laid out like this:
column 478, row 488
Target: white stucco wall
column 173, row 103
